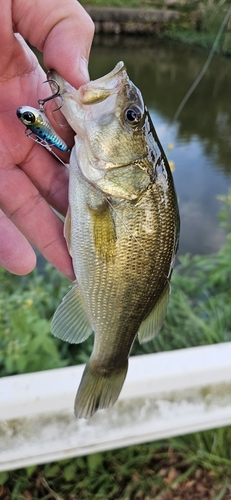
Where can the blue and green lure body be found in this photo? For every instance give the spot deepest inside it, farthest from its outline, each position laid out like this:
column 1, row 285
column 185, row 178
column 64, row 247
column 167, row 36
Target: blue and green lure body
column 38, row 124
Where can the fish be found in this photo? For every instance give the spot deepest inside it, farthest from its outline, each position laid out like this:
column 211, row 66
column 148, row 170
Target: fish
column 37, row 123
column 122, row 231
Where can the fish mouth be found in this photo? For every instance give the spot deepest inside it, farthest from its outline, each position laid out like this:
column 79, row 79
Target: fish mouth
column 95, row 106
column 94, row 91
column 100, row 89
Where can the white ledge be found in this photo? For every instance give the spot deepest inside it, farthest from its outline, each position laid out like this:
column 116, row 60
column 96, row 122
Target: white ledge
column 164, row 395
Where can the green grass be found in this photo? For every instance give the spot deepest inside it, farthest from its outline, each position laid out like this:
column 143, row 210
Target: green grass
column 199, row 313
column 136, row 472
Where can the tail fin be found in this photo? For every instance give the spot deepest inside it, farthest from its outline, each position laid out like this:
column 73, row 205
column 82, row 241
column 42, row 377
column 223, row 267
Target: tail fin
column 98, row 390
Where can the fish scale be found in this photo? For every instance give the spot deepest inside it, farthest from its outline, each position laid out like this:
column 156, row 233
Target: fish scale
column 122, row 231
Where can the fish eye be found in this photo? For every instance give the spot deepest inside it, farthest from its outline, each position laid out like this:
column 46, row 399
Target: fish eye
column 28, row 117
column 132, row 115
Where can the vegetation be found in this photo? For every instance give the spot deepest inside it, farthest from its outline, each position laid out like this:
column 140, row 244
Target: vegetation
column 199, row 313
column 198, row 24
column 186, row 468
column 114, row 3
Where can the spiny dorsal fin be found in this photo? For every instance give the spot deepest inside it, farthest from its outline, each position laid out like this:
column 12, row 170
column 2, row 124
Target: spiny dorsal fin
column 70, row 321
column 151, row 326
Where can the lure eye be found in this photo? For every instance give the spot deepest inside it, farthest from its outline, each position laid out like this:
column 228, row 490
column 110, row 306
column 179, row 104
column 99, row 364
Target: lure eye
column 28, row 117
column 132, row 115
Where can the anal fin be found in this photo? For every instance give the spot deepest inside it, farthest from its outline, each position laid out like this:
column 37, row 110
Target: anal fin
column 70, row 321
column 151, row 326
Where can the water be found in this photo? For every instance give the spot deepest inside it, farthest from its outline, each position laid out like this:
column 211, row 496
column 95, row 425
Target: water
column 164, row 71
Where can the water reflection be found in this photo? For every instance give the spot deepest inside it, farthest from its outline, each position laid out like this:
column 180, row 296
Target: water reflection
column 164, row 71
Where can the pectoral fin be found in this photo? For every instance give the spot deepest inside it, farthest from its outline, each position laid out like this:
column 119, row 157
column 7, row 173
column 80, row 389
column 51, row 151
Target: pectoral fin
column 104, row 233
column 70, row 321
column 151, row 326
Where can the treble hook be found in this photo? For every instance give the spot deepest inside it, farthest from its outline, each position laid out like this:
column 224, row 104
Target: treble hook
column 41, row 102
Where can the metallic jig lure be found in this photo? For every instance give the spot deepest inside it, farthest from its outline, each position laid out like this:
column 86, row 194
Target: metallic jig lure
column 38, row 124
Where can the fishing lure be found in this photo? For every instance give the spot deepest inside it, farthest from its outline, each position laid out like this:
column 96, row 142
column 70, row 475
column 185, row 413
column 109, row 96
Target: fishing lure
column 38, row 124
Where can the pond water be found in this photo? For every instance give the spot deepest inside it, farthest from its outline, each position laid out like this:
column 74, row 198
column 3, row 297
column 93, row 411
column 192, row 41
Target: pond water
column 201, row 136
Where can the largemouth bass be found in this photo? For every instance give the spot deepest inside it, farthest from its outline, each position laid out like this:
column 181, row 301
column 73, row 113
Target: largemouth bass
column 122, row 230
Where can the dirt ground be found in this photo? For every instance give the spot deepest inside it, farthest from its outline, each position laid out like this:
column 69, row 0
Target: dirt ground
column 200, row 486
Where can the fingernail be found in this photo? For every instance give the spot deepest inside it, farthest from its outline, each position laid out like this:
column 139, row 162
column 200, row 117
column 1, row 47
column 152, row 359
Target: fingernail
column 83, row 66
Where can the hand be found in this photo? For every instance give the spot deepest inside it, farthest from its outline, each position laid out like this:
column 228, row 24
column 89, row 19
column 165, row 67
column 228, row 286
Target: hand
column 31, row 179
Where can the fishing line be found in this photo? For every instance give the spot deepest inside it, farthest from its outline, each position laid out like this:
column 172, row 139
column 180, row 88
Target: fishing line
column 44, row 144
column 205, row 67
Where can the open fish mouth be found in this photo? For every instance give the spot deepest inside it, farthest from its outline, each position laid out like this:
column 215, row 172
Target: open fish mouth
column 94, row 107
column 94, row 91
column 94, row 101
column 100, row 89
